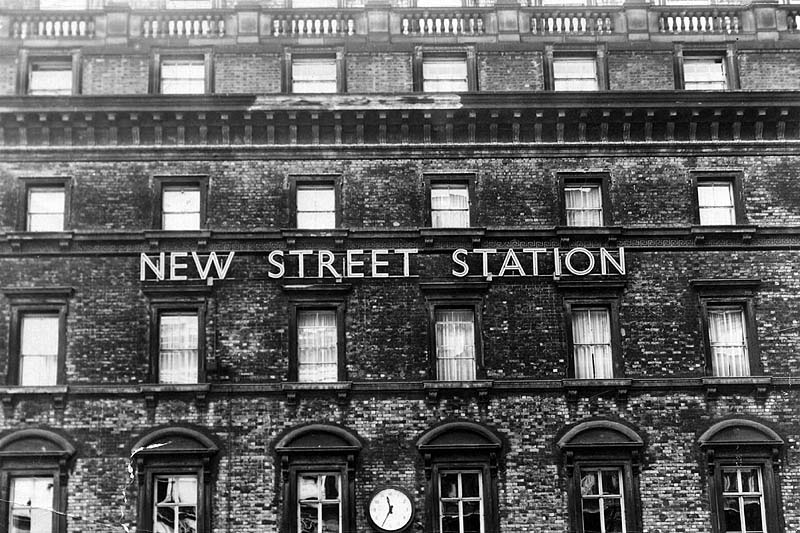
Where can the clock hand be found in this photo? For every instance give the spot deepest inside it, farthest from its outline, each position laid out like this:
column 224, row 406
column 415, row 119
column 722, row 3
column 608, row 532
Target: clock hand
column 389, row 503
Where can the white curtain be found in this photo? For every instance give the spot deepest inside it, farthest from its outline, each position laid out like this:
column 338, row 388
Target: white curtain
column 32, row 500
column 176, row 504
column 584, row 205
column 317, row 350
column 715, row 203
column 38, row 363
column 591, row 339
column 449, row 205
column 444, row 74
column 455, row 345
column 178, row 349
column 728, row 342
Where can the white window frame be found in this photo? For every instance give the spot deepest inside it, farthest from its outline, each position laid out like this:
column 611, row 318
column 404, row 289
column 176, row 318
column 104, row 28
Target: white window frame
column 45, row 524
column 62, row 65
column 31, row 216
column 331, row 368
column 460, row 499
column 449, row 216
column 193, row 61
column 741, row 495
column 708, row 83
column 63, row 5
column 605, row 368
column 39, row 379
column 722, row 365
column 189, row 4
column 706, row 211
column 181, row 188
column 315, row 216
column 444, row 360
column 191, row 373
column 320, row 501
column 601, row 496
column 315, row 84
column 580, row 82
column 174, row 507
column 443, row 84
column 573, row 214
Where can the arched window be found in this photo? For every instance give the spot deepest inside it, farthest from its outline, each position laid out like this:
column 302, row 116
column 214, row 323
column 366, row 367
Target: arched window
column 461, row 475
column 742, row 459
column 601, row 465
column 34, row 464
column 318, row 464
column 174, row 470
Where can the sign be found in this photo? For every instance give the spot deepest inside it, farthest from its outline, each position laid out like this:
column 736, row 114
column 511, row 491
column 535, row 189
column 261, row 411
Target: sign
column 385, row 263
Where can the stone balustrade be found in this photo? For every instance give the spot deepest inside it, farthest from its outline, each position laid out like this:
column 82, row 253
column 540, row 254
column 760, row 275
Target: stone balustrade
column 52, row 26
column 442, row 23
column 300, row 24
column 699, row 21
column 187, row 24
column 568, row 22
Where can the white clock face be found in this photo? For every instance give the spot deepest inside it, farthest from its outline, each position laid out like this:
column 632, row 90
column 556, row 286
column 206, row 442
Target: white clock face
column 390, row 510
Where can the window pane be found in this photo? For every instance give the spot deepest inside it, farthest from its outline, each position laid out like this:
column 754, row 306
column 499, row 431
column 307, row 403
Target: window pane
column 733, row 520
column 753, row 518
column 314, row 75
column 472, row 517
column 575, row 74
column 728, row 342
column 704, row 73
column 62, row 5
column 46, row 208
column 317, row 346
column 180, row 208
column 175, row 504
column 183, row 76
column 309, row 517
column 319, row 507
column 461, row 502
column 455, row 345
column 39, row 342
column 612, row 511
column 444, row 74
column 583, row 205
column 314, row 3
column 716, row 204
column 32, row 499
column 449, row 488
column 330, row 518
column 591, row 515
column 589, row 483
column 50, row 78
column 450, row 205
column 178, row 348
column 611, row 482
column 439, row 3
column 188, row 4
column 591, row 338
column 316, row 206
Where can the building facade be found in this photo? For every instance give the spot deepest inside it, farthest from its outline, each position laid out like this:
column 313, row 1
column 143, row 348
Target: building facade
column 399, row 266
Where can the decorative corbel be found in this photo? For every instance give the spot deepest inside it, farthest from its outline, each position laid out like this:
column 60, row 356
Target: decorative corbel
column 710, row 456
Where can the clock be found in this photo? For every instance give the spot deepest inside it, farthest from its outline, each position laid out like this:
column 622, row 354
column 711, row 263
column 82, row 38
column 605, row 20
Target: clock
column 390, row 510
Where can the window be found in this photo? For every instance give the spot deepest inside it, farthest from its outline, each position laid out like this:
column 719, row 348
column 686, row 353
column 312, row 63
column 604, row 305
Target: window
column 314, row 4
column 314, row 74
column 743, row 459
column 316, row 325
column 461, row 502
column 450, row 205
column 38, row 336
column 715, row 202
column 601, row 465
column 575, row 74
column 178, row 347
column 46, row 208
column 592, row 327
column 189, row 4
column 34, row 465
column 583, row 204
column 183, row 75
column 461, row 472
column 318, row 463
column 174, row 475
column 591, row 342
column 317, row 345
column 62, row 5
column 316, row 205
column 319, row 502
column 181, row 203
column 445, row 69
column 729, row 326
column 439, row 3
column 50, row 77
column 704, row 74
column 455, row 345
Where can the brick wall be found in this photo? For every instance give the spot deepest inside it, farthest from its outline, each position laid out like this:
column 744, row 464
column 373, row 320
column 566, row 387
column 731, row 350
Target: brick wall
column 8, row 75
column 247, row 73
column 510, row 71
column 769, row 70
column 379, row 72
column 127, row 74
column 640, row 70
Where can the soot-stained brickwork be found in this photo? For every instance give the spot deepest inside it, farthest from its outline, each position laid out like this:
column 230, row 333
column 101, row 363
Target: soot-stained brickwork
column 601, row 336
